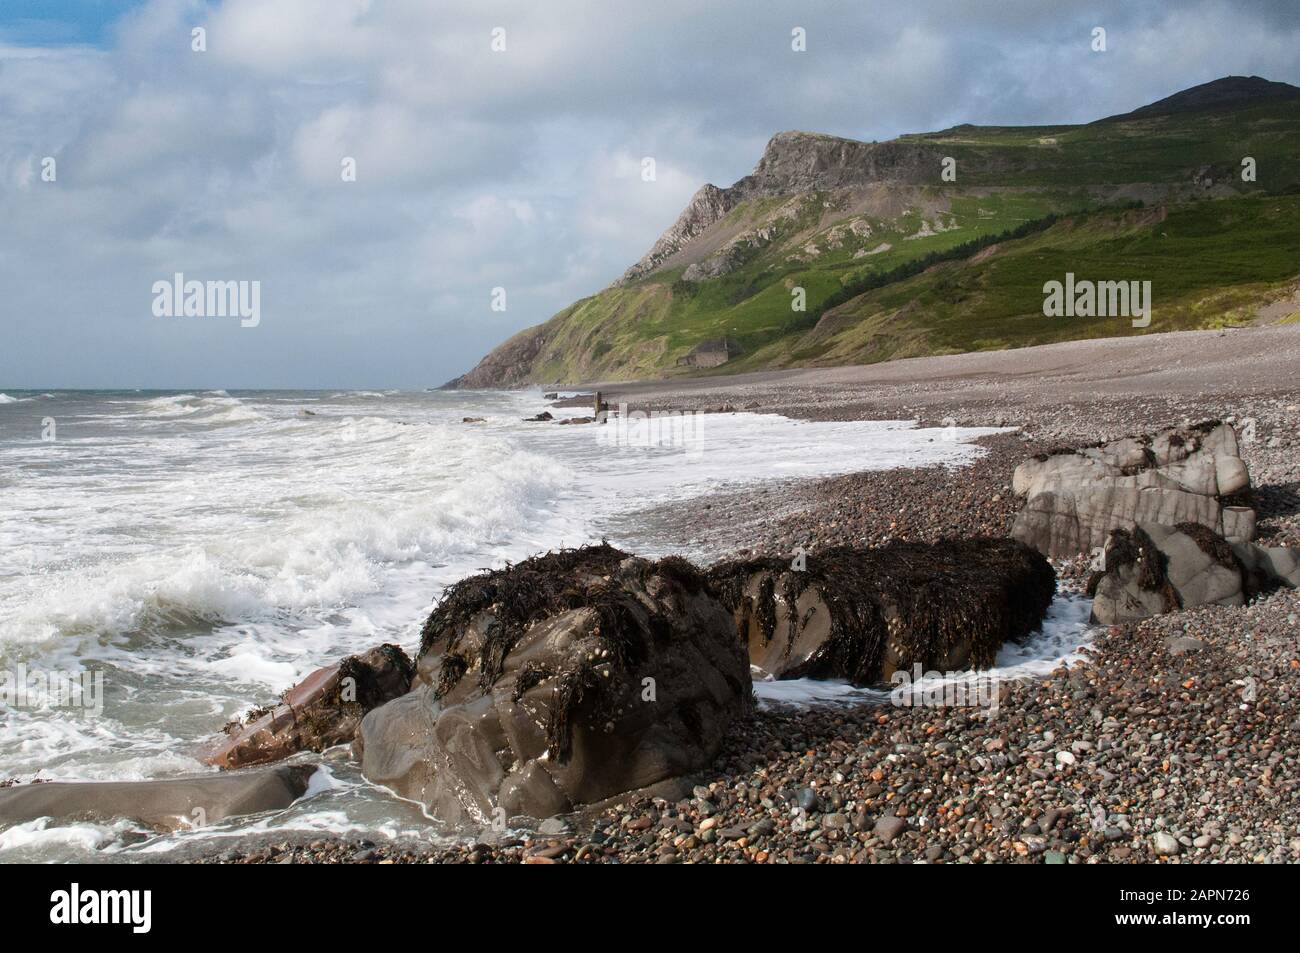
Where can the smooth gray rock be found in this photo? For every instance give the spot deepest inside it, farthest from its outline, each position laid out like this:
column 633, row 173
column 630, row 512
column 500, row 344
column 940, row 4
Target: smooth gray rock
column 1275, row 564
column 1198, row 577
column 1165, row 845
column 1153, row 569
column 1073, row 500
column 164, row 805
column 888, row 828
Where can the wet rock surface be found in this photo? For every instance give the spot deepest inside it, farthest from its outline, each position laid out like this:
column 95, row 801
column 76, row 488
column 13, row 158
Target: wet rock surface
column 1198, row 743
column 560, row 682
column 1198, row 746
column 321, row 711
column 163, row 805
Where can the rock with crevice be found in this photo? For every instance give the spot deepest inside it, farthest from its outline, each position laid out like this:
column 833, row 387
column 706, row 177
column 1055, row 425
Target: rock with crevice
column 1152, row 569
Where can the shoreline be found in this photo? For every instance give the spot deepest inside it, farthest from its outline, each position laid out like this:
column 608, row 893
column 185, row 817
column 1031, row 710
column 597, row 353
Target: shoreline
column 1116, row 759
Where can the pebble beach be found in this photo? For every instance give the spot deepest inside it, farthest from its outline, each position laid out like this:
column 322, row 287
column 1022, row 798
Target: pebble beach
column 1175, row 739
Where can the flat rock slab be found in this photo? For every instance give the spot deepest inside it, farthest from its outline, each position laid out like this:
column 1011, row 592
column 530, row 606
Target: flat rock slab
column 164, row 805
column 1183, row 644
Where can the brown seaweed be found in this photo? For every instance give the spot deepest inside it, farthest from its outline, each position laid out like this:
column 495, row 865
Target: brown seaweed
column 924, row 598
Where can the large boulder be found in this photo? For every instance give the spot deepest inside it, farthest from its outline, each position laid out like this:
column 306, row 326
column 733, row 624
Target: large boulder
column 321, row 711
column 862, row 614
column 1152, row 568
column 1075, row 498
column 165, row 805
column 560, row 682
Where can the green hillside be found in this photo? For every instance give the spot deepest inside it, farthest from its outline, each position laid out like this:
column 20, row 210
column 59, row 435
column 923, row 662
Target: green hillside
column 1210, row 263
column 894, row 261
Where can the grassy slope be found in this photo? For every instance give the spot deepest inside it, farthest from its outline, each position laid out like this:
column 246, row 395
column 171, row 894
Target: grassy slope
column 1156, row 149
column 1211, row 262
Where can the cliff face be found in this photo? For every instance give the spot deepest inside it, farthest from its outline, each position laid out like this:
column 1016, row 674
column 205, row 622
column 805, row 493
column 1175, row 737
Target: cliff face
column 806, row 162
column 776, row 203
column 707, row 206
column 508, row 365
column 793, row 163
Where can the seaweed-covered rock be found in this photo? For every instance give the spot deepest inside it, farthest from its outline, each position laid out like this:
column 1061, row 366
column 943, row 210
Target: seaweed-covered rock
column 1151, row 569
column 321, row 711
column 1075, row 498
column 862, row 614
column 560, row 682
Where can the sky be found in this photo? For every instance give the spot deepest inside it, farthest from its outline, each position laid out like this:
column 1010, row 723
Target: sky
column 476, row 169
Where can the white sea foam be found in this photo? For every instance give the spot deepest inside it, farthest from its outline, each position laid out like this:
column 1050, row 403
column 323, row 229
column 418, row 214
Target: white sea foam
column 215, row 407
column 44, row 834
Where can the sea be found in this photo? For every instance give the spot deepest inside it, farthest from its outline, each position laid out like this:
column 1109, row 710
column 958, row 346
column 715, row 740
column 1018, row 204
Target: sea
column 196, row 553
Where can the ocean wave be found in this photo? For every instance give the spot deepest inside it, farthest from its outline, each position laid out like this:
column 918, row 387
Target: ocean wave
column 6, row 399
column 215, row 407
column 362, row 495
column 45, row 833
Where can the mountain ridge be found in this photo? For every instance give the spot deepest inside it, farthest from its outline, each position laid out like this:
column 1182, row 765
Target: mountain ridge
column 825, row 213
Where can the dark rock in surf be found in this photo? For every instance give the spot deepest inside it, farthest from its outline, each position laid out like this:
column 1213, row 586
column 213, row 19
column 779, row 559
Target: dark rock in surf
column 862, row 614
column 543, row 416
column 321, row 711
column 560, row 682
